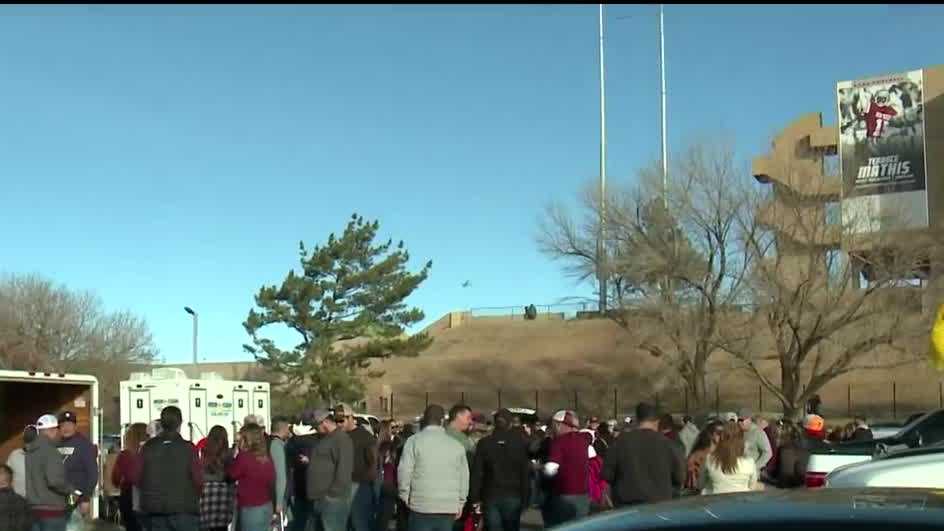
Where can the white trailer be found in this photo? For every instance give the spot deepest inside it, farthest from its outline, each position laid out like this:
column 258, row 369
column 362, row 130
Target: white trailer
column 205, row 402
column 26, row 395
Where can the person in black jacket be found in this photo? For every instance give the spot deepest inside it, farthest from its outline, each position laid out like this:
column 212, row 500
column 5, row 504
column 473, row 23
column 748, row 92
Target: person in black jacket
column 169, row 477
column 643, row 465
column 501, row 476
column 14, row 511
column 297, row 451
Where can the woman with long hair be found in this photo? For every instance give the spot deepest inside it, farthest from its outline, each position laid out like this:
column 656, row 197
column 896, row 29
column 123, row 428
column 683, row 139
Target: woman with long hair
column 254, row 471
column 216, row 504
column 135, row 437
column 727, row 469
column 705, row 444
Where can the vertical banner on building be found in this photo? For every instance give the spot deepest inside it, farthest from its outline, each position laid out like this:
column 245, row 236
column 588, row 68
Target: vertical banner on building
column 882, row 152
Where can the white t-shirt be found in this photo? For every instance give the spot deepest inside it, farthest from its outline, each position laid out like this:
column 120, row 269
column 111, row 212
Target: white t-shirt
column 17, row 462
column 743, row 479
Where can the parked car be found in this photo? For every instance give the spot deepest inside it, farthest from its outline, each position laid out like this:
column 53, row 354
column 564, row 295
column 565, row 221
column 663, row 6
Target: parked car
column 527, row 415
column 781, row 510
column 919, row 468
column 372, row 422
column 923, row 431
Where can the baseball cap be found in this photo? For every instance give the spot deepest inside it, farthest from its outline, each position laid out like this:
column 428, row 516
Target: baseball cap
column 46, row 422
column 745, row 413
column 729, row 416
column 566, row 417
column 320, row 415
column 67, row 416
column 814, row 423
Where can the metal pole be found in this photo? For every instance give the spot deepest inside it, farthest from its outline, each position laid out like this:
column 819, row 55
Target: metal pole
column 894, row 400
column 601, row 244
column 499, row 399
column 576, row 401
column 616, row 403
column 427, row 398
column 536, row 401
column 665, row 153
column 195, row 338
column 849, row 400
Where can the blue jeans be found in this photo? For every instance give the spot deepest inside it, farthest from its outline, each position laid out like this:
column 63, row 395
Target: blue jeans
column 172, row 522
column 255, row 518
column 502, row 514
column 330, row 514
column 301, row 513
column 50, row 524
column 558, row 510
column 363, row 507
column 431, row 522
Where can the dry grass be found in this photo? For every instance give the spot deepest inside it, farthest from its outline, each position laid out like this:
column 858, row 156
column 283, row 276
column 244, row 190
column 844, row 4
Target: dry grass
column 596, row 357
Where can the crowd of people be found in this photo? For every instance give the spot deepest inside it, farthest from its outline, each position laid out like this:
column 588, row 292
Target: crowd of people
column 326, row 472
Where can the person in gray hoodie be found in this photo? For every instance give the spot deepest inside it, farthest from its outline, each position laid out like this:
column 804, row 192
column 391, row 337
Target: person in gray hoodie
column 330, row 464
column 46, row 484
column 756, row 443
column 433, row 475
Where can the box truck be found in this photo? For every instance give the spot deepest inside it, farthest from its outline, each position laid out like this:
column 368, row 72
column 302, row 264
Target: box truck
column 205, row 402
column 26, row 395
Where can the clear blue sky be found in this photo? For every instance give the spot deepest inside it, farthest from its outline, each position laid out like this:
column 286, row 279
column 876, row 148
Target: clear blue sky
column 170, row 156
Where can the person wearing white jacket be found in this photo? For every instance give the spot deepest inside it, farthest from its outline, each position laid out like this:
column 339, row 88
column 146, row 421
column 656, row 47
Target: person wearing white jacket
column 433, row 476
column 727, row 468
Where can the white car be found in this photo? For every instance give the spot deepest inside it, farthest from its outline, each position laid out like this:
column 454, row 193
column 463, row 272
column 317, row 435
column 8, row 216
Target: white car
column 918, row 468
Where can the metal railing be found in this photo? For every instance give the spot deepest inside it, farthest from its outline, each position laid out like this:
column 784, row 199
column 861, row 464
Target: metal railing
column 877, row 401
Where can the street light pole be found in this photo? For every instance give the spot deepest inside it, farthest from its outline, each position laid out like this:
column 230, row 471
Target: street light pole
column 601, row 243
column 193, row 314
column 665, row 151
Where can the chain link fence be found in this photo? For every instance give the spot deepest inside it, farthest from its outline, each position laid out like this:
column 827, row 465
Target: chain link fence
column 879, row 401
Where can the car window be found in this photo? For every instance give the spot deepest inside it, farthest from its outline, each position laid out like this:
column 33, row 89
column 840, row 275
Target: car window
column 932, row 430
column 935, row 417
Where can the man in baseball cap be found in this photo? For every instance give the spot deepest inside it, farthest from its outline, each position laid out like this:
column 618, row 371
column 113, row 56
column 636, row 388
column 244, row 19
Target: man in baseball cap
column 329, row 473
column 567, row 468
column 297, row 451
column 756, row 444
column 80, row 458
column 46, row 483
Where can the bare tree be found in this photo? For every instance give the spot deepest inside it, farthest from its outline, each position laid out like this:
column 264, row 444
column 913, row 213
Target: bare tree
column 677, row 263
column 831, row 299
column 43, row 324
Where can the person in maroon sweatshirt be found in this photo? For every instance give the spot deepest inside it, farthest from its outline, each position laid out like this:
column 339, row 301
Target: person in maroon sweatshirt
column 255, row 474
column 567, row 469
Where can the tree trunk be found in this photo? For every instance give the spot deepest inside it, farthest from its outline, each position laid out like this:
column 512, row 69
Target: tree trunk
column 790, row 387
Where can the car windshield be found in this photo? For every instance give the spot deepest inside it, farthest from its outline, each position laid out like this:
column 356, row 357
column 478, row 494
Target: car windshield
column 908, row 427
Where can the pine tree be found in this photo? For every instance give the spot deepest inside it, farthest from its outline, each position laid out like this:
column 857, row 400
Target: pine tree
column 349, row 290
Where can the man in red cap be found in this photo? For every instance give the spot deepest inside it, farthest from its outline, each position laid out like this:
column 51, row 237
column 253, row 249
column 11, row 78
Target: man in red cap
column 567, row 469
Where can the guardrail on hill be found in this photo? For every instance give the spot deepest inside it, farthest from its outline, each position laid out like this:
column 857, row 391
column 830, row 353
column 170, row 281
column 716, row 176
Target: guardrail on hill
column 544, row 311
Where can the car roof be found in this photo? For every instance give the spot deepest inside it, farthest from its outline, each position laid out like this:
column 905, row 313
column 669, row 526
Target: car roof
column 781, row 507
column 931, row 449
